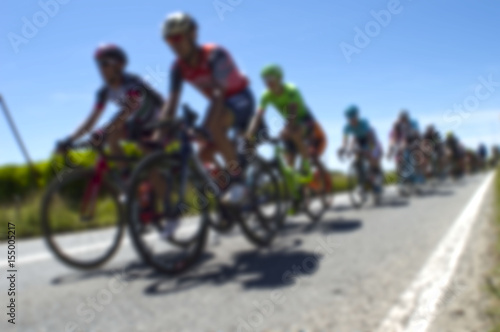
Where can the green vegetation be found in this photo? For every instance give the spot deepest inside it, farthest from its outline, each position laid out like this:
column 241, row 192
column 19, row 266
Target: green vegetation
column 64, row 216
column 18, row 181
column 493, row 281
column 20, row 195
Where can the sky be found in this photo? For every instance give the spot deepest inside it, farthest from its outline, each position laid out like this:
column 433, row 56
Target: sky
column 438, row 59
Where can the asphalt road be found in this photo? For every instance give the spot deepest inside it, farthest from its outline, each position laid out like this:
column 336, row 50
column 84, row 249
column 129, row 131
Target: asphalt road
column 343, row 275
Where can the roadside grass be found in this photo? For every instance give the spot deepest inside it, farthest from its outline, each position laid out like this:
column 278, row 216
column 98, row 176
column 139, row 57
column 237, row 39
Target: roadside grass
column 26, row 213
column 64, row 217
column 493, row 280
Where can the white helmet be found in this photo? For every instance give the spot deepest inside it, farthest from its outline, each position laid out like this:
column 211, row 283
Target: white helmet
column 177, row 23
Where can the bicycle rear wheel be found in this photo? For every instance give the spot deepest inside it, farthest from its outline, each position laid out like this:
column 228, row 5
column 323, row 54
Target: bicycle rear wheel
column 180, row 198
column 82, row 239
column 317, row 196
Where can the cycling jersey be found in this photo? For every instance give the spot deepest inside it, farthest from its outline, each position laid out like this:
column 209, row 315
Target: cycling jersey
column 365, row 137
column 454, row 146
column 133, row 95
column 405, row 131
column 282, row 102
column 482, row 151
column 361, row 131
column 215, row 65
column 432, row 136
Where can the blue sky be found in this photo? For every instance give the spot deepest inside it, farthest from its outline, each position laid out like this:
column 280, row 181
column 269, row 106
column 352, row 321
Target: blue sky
column 429, row 57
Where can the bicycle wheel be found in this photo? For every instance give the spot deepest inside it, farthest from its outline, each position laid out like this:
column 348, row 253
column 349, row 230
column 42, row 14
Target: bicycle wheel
column 82, row 239
column 180, row 195
column 264, row 212
column 357, row 187
column 316, row 196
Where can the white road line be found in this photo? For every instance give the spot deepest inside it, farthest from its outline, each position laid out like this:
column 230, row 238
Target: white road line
column 417, row 306
column 77, row 250
column 46, row 255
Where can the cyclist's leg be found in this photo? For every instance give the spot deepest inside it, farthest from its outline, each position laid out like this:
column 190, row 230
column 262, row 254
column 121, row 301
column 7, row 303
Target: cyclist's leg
column 242, row 109
column 317, row 146
column 298, row 138
column 115, row 135
column 218, row 125
column 291, row 149
column 375, row 155
column 238, row 113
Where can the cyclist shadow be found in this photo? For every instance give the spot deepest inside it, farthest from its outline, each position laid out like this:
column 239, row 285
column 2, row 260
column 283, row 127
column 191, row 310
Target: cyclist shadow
column 339, row 225
column 252, row 269
column 436, row 192
column 129, row 272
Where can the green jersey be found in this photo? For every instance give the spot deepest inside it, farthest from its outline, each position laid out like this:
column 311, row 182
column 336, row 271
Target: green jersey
column 282, row 102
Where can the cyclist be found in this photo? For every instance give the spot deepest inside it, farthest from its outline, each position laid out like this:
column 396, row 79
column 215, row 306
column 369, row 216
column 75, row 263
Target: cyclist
column 302, row 133
column 432, row 145
column 405, row 139
column 139, row 104
column 456, row 153
column 366, row 141
column 212, row 71
column 482, row 153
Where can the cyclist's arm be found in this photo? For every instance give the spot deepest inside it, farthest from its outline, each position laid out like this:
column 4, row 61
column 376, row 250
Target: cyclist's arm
column 345, row 141
column 259, row 115
column 254, row 124
column 345, row 138
column 169, row 108
column 92, row 119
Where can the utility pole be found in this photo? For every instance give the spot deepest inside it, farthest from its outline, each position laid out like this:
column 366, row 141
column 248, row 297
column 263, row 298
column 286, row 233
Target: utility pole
column 18, row 138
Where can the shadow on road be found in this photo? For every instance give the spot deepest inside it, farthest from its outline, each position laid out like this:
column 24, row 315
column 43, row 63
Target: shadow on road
column 251, row 269
column 324, row 227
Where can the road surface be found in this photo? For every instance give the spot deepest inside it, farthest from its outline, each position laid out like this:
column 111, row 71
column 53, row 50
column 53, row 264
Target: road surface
column 345, row 275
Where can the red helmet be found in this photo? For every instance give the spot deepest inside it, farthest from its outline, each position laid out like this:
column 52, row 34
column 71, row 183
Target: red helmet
column 110, row 51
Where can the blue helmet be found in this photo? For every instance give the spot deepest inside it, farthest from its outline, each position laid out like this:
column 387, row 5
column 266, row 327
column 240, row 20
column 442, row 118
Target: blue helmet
column 352, row 112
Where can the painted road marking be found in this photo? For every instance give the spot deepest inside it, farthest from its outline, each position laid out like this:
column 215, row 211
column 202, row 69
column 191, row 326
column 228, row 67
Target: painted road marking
column 417, row 306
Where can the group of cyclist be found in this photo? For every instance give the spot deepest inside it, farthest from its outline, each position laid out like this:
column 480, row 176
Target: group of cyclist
column 419, row 155
column 232, row 108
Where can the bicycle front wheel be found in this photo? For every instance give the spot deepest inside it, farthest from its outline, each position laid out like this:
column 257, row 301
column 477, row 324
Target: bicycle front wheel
column 358, row 193
column 82, row 221
column 172, row 234
column 264, row 212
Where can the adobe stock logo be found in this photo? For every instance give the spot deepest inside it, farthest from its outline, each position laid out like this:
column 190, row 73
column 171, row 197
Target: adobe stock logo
column 372, row 29
column 39, row 19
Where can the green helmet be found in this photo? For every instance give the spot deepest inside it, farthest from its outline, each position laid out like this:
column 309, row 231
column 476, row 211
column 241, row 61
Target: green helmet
column 272, row 71
column 352, row 112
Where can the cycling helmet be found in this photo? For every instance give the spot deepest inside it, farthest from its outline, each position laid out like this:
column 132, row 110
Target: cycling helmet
column 272, row 71
column 110, row 51
column 404, row 114
column 352, row 112
column 177, row 23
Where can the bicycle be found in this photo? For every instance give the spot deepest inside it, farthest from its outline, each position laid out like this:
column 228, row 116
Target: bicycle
column 192, row 191
column 306, row 190
column 362, row 180
column 78, row 203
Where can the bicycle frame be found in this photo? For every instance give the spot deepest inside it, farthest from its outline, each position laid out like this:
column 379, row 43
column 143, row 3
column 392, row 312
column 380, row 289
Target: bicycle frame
column 101, row 168
column 293, row 179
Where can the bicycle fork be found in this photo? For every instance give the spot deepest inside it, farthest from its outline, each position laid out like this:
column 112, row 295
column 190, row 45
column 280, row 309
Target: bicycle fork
column 87, row 209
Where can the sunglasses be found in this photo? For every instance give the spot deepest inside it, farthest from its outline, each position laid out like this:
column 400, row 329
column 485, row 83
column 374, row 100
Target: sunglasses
column 106, row 63
column 176, row 38
column 271, row 80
